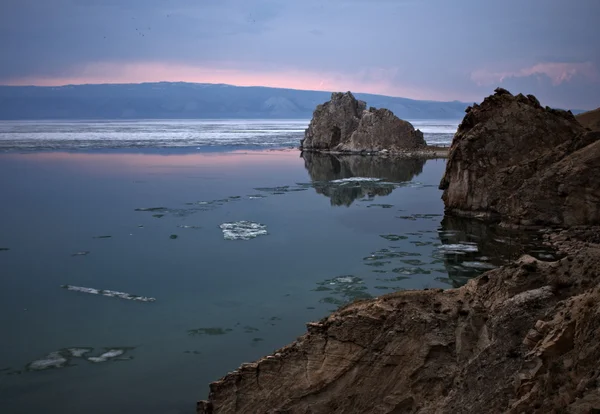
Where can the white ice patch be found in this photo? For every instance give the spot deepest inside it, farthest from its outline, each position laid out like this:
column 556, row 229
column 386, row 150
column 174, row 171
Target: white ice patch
column 78, row 352
column 110, row 354
column 344, row 279
column 52, row 360
column 355, row 179
column 459, row 247
column 478, row 265
column 243, row 230
column 109, row 293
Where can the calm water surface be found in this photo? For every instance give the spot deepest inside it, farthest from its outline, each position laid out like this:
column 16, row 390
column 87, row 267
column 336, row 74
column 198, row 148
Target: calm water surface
column 148, row 223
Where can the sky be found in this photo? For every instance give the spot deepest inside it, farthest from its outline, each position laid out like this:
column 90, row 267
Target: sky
column 421, row 49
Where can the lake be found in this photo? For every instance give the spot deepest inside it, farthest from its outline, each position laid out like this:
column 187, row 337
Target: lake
column 134, row 275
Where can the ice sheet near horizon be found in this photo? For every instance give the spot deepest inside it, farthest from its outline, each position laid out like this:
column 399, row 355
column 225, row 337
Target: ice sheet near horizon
column 74, row 135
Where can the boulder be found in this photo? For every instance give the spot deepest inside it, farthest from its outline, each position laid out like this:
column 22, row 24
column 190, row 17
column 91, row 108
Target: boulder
column 333, row 122
column 345, row 125
column 514, row 161
column 519, row 339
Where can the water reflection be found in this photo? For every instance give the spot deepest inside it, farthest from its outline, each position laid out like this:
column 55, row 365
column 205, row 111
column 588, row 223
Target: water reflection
column 470, row 247
column 345, row 178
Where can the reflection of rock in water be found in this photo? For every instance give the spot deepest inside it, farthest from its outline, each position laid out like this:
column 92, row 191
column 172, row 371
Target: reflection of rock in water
column 485, row 246
column 325, row 168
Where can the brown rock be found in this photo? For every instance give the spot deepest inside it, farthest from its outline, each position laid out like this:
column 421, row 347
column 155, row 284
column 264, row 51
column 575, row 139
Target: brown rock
column 333, row 122
column 590, row 119
column 380, row 129
column 400, row 354
column 514, row 161
column 344, row 125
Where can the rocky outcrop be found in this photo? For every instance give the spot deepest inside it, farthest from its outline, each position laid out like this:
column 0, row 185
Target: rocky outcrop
column 343, row 124
column 515, row 161
column 590, row 119
column 345, row 178
column 521, row 338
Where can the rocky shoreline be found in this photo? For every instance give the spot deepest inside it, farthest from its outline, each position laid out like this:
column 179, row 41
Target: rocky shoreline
column 520, row 338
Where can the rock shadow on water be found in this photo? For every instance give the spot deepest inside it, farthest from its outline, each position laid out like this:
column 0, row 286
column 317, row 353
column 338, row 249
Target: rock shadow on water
column 346, row 178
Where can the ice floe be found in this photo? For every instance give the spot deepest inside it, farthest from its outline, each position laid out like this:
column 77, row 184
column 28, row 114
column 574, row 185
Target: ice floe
column 110, row 354
column 83, row 253
column 79, row 352
column 62, row 358
column 458, row 248
column 52, row 360
column 243, row 230
column 109, row 293
column 355, row 179
column 477, row 265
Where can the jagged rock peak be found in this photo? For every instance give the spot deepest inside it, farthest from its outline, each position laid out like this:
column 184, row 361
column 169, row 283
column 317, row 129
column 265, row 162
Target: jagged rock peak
column 510, row 159
column 343, row 124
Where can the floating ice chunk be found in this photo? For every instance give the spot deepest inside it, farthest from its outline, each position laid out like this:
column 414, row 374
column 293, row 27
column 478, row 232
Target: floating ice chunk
column 83, row 253
column 459, row 247
column 345, row 279
column 243, row 230
column 355, row 179
column 52, row 360
column 78, row 352
column 478, row 265
column 109, row 293
column 110, row 354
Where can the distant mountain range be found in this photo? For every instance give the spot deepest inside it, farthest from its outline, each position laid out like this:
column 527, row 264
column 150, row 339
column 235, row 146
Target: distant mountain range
column 179, row 100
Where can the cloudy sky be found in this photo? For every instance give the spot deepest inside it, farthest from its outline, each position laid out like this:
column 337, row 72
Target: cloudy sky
column 422, row 49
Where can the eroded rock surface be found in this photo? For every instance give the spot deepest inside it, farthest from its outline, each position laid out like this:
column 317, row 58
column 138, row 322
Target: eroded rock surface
column 590, row 119
column 514, row 160
column 521, row 338
column 343, row 124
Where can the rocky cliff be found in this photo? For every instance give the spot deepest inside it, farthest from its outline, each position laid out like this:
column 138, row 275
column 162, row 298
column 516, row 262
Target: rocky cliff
column 343, row 124
column 515, row 161
column 521, row 338
column 590, row 119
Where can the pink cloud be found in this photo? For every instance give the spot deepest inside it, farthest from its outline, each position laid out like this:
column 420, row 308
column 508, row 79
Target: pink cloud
column 372, row 80
column 558, row 72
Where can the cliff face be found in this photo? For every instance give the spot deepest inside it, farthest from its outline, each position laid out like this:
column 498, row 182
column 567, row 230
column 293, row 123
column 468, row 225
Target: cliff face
column 590, row 119
column 343, row 124
column 521, row 338
column 333, row 122
column 515, row 161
